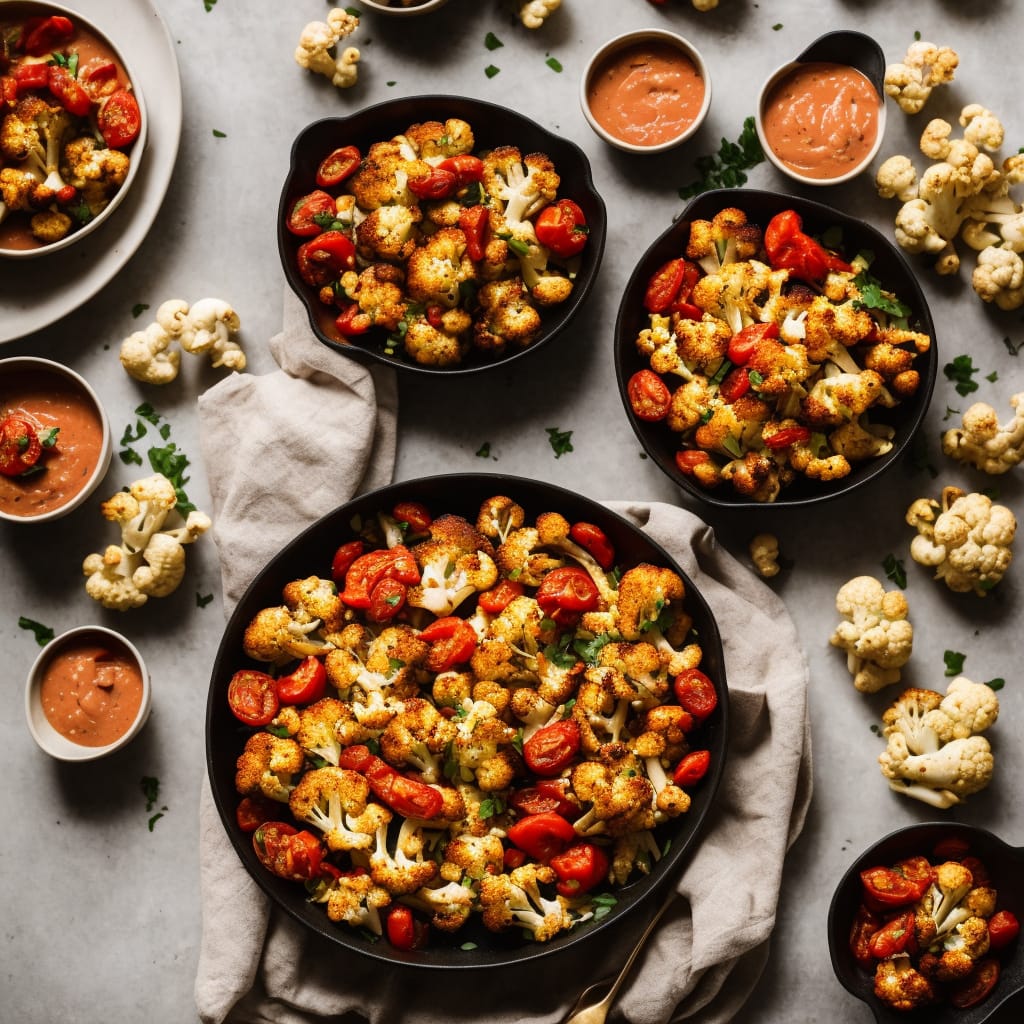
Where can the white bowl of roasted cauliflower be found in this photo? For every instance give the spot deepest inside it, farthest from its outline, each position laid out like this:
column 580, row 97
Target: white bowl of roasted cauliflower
column 480, row 704
column 72, row 133
column 438, row 234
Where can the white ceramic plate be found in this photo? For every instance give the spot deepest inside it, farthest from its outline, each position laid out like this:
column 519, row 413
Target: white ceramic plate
column 29, row 301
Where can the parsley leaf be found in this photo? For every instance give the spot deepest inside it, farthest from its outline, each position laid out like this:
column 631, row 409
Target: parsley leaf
column 895, row 571
column 961, row 371
column 43, row 634
column 208, row 6
column 872, row 296
column 490, row 71
column 139, row 308
column 1013, row 347
column 996, row 684
column 484, row 451
column 492, row 42
column 554, row 63
column 218, row 134
column 560, row 441
column 202, row 600
column 954, row 662
column 150, row 787
column 726, row 168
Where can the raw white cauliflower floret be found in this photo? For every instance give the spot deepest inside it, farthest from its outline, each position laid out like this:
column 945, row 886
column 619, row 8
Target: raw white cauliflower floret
column 967, row 539
column 985, row 443
column 876, row 635
column 910, row 81
column 318, row 48
column 208, row 328
column 764, row 553
column 533, row 13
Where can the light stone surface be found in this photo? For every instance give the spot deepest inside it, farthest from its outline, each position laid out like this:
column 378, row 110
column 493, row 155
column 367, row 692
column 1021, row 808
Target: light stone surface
column 101, row 915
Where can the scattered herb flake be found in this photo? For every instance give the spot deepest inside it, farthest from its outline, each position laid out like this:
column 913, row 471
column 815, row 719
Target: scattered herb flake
column 996, row 684
column 43, row 634
column 218, row 134
column 954, row 662
column 961, row 371
column 208, row 6
column 560, row 441
column 172, row 464
column 554, row 63
column 917, row 36
column 992, row 377
column 872, row 296
column 876, row 729
column 139, row 308
column 726, row 168
column 1013, row 347
column 895, row 571
column 777, row 26
column 354, row 11
column 129, row 438
column 391, row 83
column 154, row 819
column 468, row 946
column 492, row 42
column 150, row 787
column 130, row 457
column 147, row 412
column 202, row 600
column 950, row 411
column 484, row 451
column 490, row 71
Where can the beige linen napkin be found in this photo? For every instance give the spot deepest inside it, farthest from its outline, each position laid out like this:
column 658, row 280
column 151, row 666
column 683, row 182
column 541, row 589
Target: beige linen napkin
column 258, row 966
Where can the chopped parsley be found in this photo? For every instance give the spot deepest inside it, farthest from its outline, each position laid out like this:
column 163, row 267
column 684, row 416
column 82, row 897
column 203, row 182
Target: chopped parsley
column 777, row 26
column 992, row 377
column 961, row 372
column 602, row 904
column 1013, row 347
column 492, row 42
column 895, row 571
column 167, row 460
column 150, row 787
column 554, row 63
column 484, row 451
column 490, row 71
column 996, row 684
column 154, row 819
column 202, row 600
column 43, row 634
column 208, row 5
column 139, row 308
column 560, row 441
column 873, row 296
column 954, row 662
column 726, row 168
column 218, row 134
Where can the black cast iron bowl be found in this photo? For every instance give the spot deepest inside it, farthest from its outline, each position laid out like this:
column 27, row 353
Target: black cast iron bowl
column 311, row 552
column 1005, row 865
column 492, row 126
column 889, row 266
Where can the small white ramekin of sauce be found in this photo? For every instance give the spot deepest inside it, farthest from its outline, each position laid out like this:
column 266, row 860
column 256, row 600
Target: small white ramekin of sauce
column 820, row 122
column 646, row 91
column 88, row 694
column 51, row 397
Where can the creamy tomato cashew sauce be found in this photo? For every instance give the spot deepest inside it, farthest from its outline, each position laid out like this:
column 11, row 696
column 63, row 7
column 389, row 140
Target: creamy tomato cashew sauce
column 646, row 94
column 91, row 692
column 821, row 119
column 68, row 466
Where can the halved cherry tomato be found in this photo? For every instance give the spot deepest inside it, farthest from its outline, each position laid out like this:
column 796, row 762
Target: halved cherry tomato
column 595, row 542
column 543, row 835
column 386, row 600
column 8, row 90
column 369, row 569
column 692, row 768
column 303, row 220
column 865, row 924
column 735, row 385
column 977, row 986
column 686, row 311
column 343, row 559
column 475, row 223
column 437, row 184
column 977, row 869
column 338, row 166
column 452, row 642
column 649, row 396
column 1003, row 928
column 415, row 514
column 787, row 436
column 252, row 697
column 20, row 447
column 671, row 284
column 566, row 592
column 41, row 35
column 897, row 936
column 579, row 868
column 304, row 684
column 545, row 795
column 789, row 248
column 253, row 811
column 552, row 748
column 562, row 228
column 498, row 598
column 404, row 931
column 465, row 167
column 31, row 76
column 409, row 797
column 695, row 693
column 689, row 459
column 513, row 858
column 352, row 321
column 119, row 119
column 917, row 869
column 743, row 344
column 98, row 77
column 71, row 96
column 325, row 258
column 885, row 888
column 286, row 852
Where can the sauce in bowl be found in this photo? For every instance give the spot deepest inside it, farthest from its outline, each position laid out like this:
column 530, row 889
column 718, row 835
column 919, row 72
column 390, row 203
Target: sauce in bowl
column 647, row 93
column 50, row 400
column 821, row 120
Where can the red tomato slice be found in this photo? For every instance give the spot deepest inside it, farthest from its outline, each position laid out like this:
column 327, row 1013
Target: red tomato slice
column 70, row 94
column 897, row 936
column 595, row 542
column 120, row 119
column 465, row 167
column 475, row 223
column 545, row 795
column 499, row 597
column 325, row 258
column 31, row 76
column 689, row 459
column 369, row 569
column 562, row 228
column 541, row 836
column 39, row 36
column 438, row 184
column 649, row 396
column 415, row 514
column 695, row 693
column 343, row 559
column 865, row 924
column 352, row 321
column 452, row 642
column 787, row 436
column 408, row 797
column 309, row 213
column 286, row 852
column 253, row 811
column 252, row 697
column 977, row 986
column 735, row 385
column 580, row 868
column 665, row 286
column 386, row 600
column 404, row 931
column 20, row 447
column 565, row 592
column 551, row 749
column 305, row 684
column 885, row 889
column 338, row 166
column 692, row 768
column 743, row 344
column 1003, row 928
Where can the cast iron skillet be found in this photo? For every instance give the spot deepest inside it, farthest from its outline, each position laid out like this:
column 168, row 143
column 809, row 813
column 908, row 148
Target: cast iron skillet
column 311, row 552
column 492, row 126
column 1005, row 866
column 889, row 267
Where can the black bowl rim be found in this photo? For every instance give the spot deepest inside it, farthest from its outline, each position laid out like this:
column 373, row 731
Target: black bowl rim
column 642, row 890
column 788, row 498
column 559, row 317
column 849, row 46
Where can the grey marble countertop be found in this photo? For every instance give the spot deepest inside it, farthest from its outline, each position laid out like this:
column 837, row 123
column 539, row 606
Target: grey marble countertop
column 102, row 914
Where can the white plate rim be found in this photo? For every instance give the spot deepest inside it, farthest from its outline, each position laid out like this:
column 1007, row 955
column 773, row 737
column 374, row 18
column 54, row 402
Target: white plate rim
column 28, row 300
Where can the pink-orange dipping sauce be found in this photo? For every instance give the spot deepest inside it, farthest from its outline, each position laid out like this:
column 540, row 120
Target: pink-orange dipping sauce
column 821, row 119
column 91, row 692
column 646, row 94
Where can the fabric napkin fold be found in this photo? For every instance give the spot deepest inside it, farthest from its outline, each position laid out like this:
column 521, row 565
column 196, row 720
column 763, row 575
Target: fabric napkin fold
column 258, row 966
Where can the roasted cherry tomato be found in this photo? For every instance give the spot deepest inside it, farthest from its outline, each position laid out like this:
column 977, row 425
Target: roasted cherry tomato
column 325, row 258
column 977, row 869
column 789, row 248
column 9, row 90
column 253, row 811
column 386, row 600
column 98, row 77
column 545, row 795
column 885, row 888
column 414, row 514
column 71, row 96
column 595, row 542
column 579, row 868
column 897, row 936
column 786, row 437
column 20, row 447
column 409, row 797
column 689, row 459
column 498, row 598
column 465, row 167
column 338, row 166
column 865, row 924
column 286, row 852
column 695, row 693
column 951, row 848
column 404, row 931
column 352, row 321
column 452, row 642
column 541, row 836
column 41, row 35
column 343, row 559
column 735, row 385
column 309, row 213
column 252, row 697
column 475, row 223
column 31, row 76
column 692, row 768
column 649, row 396
column 552, row 748
column 1003, row 928
column 369, row 569
column 744, row 344
column 119, row 119
column 686, row 311
column 977, row 986
column 562, row 228
column 670, row 284
column 304, row 684
column 513, row 858
column 566, row 592
column 917, row 869
column 437, row 184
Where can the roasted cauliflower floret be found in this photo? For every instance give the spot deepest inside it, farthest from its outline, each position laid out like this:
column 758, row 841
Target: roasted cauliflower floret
column 268, row 765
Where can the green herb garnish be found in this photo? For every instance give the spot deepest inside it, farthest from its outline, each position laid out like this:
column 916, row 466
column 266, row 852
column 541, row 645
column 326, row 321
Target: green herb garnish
column 490, row 71
column 492, row 42
column 484, row 451
column 218, row 134
column 954, row 662
column 996, row 684
column 726, row 168
column 895, row 571
column 560, row 441
column 139, row 308
column 961, row 371
column 554, row 63
column 202, row 600
column 43, row 634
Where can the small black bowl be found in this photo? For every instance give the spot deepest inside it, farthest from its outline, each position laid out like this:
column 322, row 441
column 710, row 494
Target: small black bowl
column 311, row 552
column 1005, row 865
column 492, row 126
column 889, row 266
